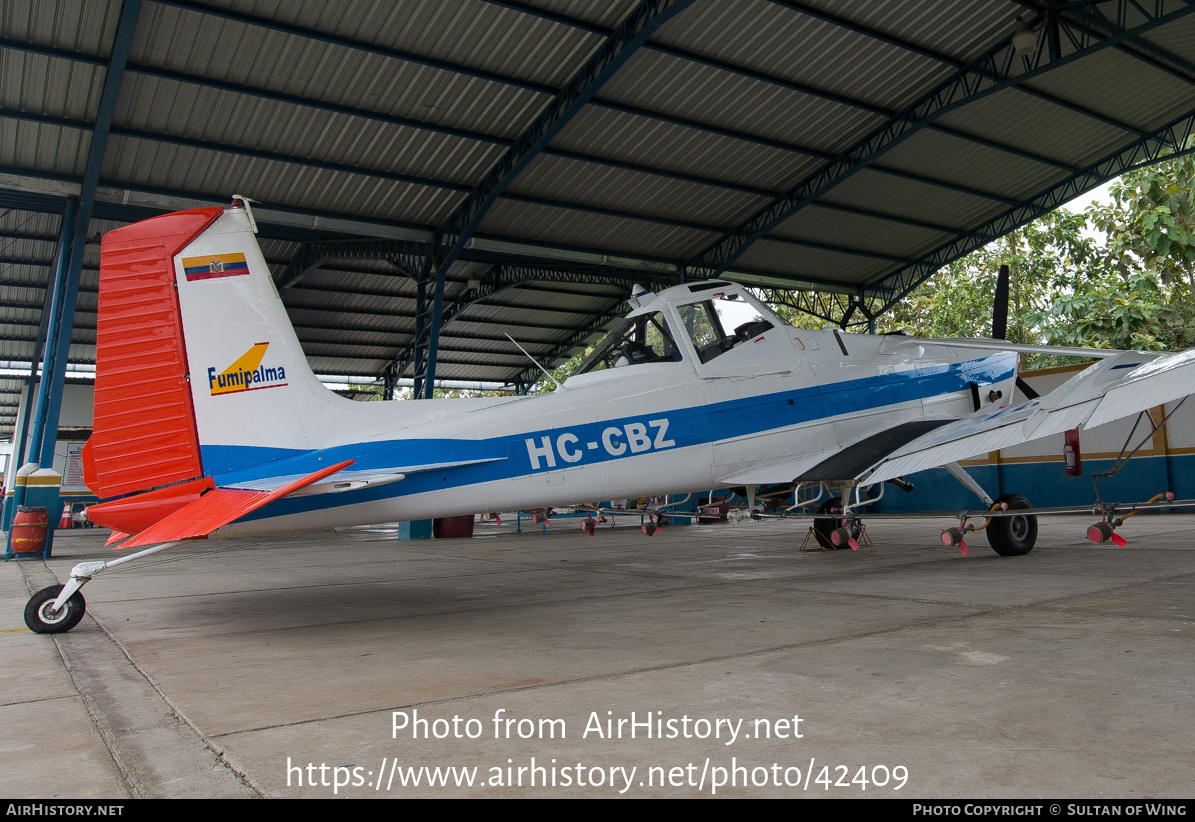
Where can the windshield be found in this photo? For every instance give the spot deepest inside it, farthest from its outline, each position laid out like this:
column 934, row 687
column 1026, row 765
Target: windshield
column 637, row 340
column 717, row 325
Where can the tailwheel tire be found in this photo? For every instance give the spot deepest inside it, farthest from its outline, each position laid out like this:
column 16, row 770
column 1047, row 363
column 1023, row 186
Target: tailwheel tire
column 41, row 617
column 824, row 527
column 1013, row 536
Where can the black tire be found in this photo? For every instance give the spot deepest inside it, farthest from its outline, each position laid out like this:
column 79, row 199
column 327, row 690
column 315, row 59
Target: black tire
column 1013, row 536
column 41, row 620
column 823, row 527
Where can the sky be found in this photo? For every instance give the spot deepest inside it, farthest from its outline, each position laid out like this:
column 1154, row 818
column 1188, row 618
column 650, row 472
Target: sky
column 1100, row 194
column 1080, row 203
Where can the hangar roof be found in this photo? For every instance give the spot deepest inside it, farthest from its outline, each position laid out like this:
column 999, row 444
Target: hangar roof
column 551, row 152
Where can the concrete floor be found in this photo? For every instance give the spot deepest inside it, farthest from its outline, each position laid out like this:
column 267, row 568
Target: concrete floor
column 203, row 671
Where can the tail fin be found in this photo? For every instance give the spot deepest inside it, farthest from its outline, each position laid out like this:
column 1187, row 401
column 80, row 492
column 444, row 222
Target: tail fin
column 255, row 397
column 198, row 369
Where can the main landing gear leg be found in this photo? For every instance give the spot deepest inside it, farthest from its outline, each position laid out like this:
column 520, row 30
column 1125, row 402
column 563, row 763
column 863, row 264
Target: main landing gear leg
column 959, row 473
column 58, row 608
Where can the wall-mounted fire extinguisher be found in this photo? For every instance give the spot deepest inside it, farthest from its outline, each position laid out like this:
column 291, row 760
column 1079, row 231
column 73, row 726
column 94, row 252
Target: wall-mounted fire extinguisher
column 1070, row 452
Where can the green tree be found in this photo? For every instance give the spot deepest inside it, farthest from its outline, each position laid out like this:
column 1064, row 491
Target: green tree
column 1136, row 289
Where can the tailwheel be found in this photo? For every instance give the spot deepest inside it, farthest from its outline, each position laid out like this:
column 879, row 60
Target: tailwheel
column 827, row 529
column 41, row 617
column 1012, row 536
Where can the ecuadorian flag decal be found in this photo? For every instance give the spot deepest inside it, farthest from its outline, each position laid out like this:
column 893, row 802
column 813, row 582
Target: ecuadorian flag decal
column 214, row 265
column 246, row 374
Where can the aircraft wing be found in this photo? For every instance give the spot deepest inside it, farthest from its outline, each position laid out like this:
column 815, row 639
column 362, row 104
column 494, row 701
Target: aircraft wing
column 1116, row 387
column 1032, row 348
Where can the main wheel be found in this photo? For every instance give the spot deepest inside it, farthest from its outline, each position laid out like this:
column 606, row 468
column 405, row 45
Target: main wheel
column 41, row 617
column 1013, row 536
column 823, row 527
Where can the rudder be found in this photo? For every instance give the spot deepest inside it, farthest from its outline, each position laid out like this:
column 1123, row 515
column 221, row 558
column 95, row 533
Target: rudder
column 143, row 429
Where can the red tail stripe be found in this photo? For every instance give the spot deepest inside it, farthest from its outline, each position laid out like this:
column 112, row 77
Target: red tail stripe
column 142, row 397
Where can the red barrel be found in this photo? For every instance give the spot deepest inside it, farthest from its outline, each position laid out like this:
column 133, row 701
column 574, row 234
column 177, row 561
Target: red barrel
column 452, row 527
column 29, row 530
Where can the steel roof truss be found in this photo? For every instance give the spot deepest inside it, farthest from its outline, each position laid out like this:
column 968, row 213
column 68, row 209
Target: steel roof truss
column 272, row 156
column 456, row 231
column 999, row 68
column 1172, row 140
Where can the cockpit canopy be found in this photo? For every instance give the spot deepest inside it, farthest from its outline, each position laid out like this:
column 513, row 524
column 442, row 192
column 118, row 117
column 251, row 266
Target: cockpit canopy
column 636, row 340
column 713, row 317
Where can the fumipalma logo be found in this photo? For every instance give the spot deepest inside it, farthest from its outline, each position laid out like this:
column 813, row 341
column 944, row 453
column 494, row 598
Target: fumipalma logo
column 246, row 374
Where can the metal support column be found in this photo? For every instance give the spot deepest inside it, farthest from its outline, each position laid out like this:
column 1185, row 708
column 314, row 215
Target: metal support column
column 861, row 304
column 389, row 379
column 846, row 317
column 60, row 345
column 39, row 348
column 26, row 409
column 433, row 336
column 78, row 218
column 422, row 326
column 429, row 311
column 46, row 409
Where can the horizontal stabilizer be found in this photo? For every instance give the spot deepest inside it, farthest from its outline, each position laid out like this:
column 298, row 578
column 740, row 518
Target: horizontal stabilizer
column 350, row 480
column 219, row 507
column 116, row 536
column 329, row 485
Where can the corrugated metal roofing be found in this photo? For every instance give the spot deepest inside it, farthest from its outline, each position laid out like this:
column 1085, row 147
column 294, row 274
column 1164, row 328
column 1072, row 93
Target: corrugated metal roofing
column 373, row 118
column 849, row 230
column 961, row 162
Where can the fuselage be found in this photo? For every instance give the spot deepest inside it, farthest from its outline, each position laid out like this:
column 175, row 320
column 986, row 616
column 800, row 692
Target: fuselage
column 694, row 417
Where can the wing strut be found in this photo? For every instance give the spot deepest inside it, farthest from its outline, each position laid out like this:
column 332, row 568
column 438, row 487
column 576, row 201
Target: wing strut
column 1122, row 457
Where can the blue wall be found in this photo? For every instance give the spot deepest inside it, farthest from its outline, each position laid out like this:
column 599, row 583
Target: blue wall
column 1045, row 484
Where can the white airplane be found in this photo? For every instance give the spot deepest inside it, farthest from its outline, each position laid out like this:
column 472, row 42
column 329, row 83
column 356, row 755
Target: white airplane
column 209, row 421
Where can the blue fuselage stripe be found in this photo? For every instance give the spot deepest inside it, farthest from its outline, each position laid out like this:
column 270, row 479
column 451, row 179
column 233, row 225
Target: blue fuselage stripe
column 589, row 443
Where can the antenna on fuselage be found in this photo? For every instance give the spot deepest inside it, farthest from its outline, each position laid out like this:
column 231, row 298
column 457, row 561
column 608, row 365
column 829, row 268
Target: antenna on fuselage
column 534, row 360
